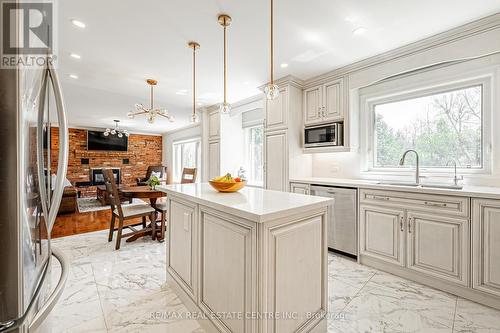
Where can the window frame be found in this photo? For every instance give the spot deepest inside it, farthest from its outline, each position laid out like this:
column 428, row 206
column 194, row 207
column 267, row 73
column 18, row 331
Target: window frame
column 175, row 158
column 247, row 132
column 403, row 89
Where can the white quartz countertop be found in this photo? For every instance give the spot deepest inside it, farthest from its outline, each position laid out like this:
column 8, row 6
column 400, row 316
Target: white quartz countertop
column 488, row 192
column 251, row 203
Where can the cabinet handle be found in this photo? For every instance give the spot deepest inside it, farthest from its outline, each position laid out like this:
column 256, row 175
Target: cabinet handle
column 435, row 204
column 376, row 197
column 409, row 225
column 401, row 223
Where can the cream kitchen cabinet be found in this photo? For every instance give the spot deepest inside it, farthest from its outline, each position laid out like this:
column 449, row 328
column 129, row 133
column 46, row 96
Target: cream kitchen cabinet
column 182, row 266
column 420, row 233
column 277, row 111
column 276, row 161
column 214, row 125
column 213, row 159
column 324, row 103
column 382, row 233
column 438, row 246
column 486, row 246
column 300, row 188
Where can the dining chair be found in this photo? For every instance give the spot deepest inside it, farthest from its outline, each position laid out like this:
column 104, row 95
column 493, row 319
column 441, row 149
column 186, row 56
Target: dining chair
column 188, row 175
column 161, row 207
column 159, row 171
column 124, row 213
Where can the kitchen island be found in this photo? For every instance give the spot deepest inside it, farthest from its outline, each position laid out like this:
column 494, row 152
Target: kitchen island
column 251, row 261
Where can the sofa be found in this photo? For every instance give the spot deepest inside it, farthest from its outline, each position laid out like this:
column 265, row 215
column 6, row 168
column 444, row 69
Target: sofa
column 68, row 202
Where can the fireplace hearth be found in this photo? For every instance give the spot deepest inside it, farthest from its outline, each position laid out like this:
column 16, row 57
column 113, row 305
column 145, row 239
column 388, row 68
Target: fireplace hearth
column 97, row 178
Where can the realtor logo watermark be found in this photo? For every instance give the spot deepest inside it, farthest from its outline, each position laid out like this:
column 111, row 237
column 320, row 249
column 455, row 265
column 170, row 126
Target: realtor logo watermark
column 27, row 33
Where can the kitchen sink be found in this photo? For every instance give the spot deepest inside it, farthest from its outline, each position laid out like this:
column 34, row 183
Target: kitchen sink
column 411, row 184
column 396, row 183
column 444, row 186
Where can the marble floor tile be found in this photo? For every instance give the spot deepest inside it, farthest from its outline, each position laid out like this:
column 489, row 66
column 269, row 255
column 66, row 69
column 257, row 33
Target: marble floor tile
column 124, row 290
column 339, row 295
column 471, row 317
column 349, row 271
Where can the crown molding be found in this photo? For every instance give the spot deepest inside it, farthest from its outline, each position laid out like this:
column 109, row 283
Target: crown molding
column 284, row 81
column 482, row 25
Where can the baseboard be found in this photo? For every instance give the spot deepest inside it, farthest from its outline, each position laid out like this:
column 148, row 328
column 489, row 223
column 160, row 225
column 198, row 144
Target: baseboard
column 449, row 287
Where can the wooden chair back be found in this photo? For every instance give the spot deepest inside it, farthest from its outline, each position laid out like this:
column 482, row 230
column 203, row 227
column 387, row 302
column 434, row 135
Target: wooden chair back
column 112, row 190
column 157, row 169
column 188, row 175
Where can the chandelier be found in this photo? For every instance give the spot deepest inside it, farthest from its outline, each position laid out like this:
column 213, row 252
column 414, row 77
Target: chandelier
column 116, row 131
column 151, row 112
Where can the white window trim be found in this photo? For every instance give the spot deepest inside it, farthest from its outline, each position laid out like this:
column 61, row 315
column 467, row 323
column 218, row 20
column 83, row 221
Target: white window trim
column 411, row 87
column 183, row 141
column 247, row 144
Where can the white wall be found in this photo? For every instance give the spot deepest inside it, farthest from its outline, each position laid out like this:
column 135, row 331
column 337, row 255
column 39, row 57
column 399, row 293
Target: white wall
column 170, row 138
column 349, row 164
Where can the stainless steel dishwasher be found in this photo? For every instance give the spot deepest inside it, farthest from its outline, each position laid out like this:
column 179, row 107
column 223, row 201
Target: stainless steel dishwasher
column 343, row 222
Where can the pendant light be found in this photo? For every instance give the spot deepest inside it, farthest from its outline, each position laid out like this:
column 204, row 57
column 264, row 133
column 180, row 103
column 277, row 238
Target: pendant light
column 271, row 90
column 194, row 46
column 225, row 20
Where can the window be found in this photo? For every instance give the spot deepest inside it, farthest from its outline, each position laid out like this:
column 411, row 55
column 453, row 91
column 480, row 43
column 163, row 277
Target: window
column 187, row 154
column 442, row 125
column 254, row 155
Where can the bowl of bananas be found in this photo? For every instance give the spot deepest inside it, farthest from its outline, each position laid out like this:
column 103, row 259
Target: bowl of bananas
column 227, row 183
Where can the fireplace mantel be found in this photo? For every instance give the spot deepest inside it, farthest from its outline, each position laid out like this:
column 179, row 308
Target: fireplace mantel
column 99, row 153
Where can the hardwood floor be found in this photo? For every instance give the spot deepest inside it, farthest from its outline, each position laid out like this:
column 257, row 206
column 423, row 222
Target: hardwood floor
column 79, row 223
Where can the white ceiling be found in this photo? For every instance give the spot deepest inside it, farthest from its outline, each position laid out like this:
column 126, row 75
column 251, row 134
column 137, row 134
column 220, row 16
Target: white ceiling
column 127, row 41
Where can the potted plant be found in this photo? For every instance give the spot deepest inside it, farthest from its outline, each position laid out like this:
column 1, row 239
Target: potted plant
column 153, row 182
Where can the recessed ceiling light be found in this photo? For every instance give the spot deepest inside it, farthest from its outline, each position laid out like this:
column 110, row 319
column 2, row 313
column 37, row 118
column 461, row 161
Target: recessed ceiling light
column 283, row 65
column 78, row 23
column 181, row 92
column 73, row 76
column 74, row 55
column 359, row 31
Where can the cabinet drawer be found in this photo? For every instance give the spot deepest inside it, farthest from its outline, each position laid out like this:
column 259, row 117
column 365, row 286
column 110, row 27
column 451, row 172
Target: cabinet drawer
column 450, row 205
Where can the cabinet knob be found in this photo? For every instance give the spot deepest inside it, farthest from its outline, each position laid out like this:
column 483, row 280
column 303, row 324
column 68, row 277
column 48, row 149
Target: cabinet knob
column 401, row 223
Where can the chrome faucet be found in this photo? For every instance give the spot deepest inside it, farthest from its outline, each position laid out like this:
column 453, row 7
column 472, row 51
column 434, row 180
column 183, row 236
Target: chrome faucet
column 455, row 178
column 417, row 170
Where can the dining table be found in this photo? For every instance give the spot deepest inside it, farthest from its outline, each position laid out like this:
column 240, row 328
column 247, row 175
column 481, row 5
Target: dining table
column 142, row 192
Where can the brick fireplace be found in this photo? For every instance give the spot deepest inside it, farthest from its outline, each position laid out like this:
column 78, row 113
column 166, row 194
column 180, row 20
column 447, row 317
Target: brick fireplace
column 143, row 150
column 96, row 177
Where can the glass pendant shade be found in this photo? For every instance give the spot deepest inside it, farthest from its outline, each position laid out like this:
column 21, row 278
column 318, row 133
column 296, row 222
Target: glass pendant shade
column 131, row 115
column 194, row 118
column 225, row 108
column 272, row 91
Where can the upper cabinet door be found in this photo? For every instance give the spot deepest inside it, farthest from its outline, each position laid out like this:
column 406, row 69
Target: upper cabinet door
column 214, row 126
column 276, row 111
column 313, row 105
column 333, row 100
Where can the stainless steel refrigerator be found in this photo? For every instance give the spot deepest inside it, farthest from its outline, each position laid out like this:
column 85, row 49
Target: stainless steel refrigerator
column 31, row 103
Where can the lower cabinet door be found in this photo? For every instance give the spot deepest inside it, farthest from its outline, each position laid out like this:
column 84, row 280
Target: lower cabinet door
column 486, row 246
column 228, row 270
column 382, row 234
column 181, row 265
column 438, row 246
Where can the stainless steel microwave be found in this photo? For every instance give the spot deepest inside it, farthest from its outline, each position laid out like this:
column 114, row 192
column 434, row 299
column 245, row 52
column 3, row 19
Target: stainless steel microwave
column 324, row 135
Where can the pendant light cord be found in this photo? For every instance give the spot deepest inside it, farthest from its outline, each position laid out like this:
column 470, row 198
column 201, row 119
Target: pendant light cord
column 152, row 97
column 225, row 63
column 272, row 43
column 194, row 80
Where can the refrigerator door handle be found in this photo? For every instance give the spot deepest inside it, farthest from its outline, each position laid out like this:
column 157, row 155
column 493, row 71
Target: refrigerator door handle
column 56, row 294
column 42, row 177
column 62, row 165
